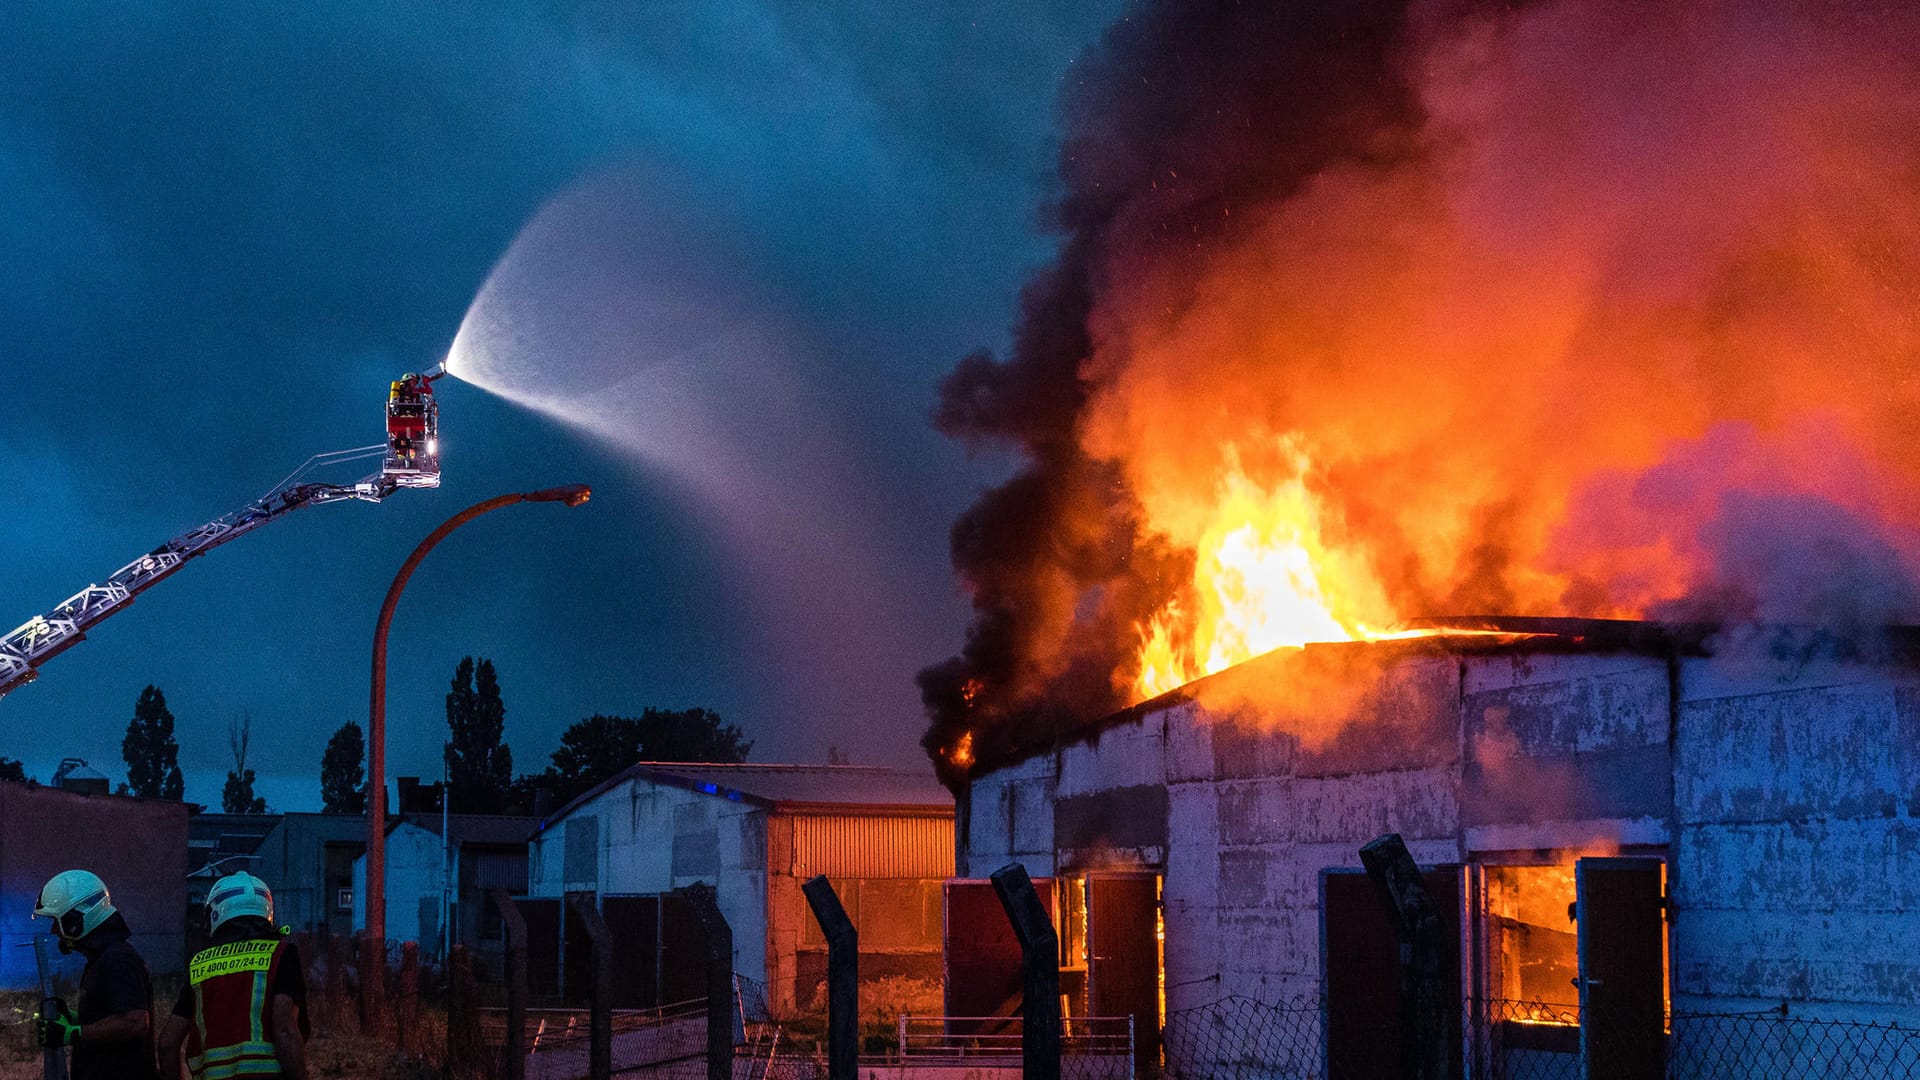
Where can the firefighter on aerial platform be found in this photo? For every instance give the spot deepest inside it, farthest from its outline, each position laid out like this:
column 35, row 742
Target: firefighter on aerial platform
column 243, row 1012
column 112, row 1031
column 408, row 399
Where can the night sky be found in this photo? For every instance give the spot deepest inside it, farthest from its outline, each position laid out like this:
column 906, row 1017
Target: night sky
column 224, row 227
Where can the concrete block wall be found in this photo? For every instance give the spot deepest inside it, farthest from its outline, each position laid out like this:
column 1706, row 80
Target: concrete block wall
column 1785, row 791
column 1010, row 819
column 1796, row 859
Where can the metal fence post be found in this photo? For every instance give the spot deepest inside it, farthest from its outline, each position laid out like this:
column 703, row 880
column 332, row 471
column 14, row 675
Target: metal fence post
column 463, row 1020
column 406, row 1011
column 720, row 1004
column 1429, row 1005
column 1040, row 952
column 516, row 973
column 600, row 1024
column 843, row 978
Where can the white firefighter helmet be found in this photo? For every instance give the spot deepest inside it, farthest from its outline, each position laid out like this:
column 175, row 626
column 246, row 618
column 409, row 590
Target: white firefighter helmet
column 76, row 901
column 236, row 895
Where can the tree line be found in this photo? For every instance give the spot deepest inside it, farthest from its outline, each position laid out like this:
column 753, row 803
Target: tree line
column 479, row 763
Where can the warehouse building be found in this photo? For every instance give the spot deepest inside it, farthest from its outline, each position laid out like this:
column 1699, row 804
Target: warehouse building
column 1610, row 814
column 754, row 833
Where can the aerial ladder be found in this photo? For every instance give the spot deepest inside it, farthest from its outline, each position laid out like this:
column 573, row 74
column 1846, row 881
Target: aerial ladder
column 410, row 458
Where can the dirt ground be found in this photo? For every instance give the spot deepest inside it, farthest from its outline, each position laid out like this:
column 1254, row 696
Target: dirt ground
column 336, row 1057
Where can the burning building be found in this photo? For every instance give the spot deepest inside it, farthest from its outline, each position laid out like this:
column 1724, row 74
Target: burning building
column 1597, row 316
column 1614, row 812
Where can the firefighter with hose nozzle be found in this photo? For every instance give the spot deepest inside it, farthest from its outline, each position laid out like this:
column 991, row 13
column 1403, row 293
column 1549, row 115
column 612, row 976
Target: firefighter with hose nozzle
column 111, row 1034
column 243, row 1012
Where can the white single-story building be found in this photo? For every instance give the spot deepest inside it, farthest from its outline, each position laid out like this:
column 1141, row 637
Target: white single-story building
column 487, row 852
column 884, row 837
column 1619, row 820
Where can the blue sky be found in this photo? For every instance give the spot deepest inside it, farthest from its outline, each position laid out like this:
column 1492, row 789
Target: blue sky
column 224, row 226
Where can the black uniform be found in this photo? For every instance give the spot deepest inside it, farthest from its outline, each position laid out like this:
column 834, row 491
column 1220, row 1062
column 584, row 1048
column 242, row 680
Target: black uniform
column 115, row 981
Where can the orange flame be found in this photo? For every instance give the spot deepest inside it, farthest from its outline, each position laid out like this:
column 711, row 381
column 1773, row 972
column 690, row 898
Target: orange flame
column 961, row 754
column 1266, row 576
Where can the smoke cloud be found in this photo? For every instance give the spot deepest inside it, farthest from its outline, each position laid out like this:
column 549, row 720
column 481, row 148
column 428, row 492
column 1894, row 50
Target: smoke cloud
column 1565, row 308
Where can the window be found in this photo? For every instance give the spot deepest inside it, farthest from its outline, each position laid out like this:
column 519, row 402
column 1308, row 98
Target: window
column 1532, row 948
column 892, row 914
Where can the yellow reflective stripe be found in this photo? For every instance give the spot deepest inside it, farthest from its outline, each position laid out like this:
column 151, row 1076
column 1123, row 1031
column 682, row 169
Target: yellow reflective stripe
column 259, row 1005
column 236, row 956
column 249, row 1067
column 227, row 1053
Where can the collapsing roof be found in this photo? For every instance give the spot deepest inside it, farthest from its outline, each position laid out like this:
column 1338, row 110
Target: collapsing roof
column 787, row 787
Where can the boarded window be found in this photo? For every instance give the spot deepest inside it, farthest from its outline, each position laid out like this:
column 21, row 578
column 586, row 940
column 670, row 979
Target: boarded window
column 582, row 864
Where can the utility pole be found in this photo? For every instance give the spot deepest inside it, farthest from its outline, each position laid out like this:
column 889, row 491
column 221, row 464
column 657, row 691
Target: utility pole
column 373, row 955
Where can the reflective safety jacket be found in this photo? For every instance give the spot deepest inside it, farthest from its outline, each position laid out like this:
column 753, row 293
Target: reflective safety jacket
column 231, row 1012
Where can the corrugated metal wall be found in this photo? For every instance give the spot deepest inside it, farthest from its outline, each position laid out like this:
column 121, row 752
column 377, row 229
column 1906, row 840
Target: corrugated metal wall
column 872, row 847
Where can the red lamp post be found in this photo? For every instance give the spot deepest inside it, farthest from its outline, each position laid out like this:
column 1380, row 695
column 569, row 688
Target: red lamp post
column 374, row 944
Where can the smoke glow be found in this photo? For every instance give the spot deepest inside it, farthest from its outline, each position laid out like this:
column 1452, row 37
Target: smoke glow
column 1372, row 311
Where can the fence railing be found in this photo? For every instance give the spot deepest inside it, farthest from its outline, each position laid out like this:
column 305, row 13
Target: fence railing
column 1240, row 1038
column 972, row 1037
column 554, row 1027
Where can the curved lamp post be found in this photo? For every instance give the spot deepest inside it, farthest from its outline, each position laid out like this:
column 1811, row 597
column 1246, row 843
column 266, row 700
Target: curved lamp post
column 374, row 945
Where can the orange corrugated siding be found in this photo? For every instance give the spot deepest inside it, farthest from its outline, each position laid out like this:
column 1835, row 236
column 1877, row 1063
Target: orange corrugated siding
column 873, row 847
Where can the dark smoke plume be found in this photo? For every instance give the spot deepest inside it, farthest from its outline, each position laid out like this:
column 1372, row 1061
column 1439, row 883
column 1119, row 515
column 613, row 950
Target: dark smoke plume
column 1569, row 307
column 1183, row 113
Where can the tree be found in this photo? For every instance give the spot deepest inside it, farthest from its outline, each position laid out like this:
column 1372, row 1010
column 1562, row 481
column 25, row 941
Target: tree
column 593, row 750
column 479, row 763
column 13, row 770
column 153, row 758
column 237, row 796
column 596, row 749
column 343, row 778
column 690, row 735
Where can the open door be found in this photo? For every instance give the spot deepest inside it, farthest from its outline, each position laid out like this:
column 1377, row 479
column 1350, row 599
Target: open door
column 1123, row 958
column 983, row 960
column 1360, row 966
column 1622, row 943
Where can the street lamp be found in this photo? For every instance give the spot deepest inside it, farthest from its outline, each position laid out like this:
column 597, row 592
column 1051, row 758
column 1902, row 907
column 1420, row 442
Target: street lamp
column 374, row 945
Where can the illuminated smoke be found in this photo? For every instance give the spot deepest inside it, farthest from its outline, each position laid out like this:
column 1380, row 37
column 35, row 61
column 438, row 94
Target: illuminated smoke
column 1570, row 308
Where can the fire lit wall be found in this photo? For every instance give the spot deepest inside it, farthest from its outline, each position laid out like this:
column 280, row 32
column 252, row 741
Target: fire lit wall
column 1780, row 790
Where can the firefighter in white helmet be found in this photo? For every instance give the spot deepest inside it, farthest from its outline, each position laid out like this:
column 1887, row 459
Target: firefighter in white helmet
column 243, row 1012
column 111, row 1032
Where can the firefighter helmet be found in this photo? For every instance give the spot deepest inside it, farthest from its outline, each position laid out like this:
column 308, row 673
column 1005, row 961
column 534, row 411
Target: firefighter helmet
column 236, row 895
column 76, row 901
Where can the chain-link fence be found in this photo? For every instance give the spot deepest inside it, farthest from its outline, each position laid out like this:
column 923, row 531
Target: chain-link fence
column 1239, row 1038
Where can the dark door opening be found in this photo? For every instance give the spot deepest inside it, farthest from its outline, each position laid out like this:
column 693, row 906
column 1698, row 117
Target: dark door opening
column 1360, row 963
column 1622, row 943
column 983, row 963
column 1123, row 958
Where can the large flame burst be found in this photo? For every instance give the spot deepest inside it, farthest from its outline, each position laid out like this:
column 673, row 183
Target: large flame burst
column 1267, row 574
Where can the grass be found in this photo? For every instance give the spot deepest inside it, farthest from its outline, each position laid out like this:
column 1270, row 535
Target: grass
column 334, row 1054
